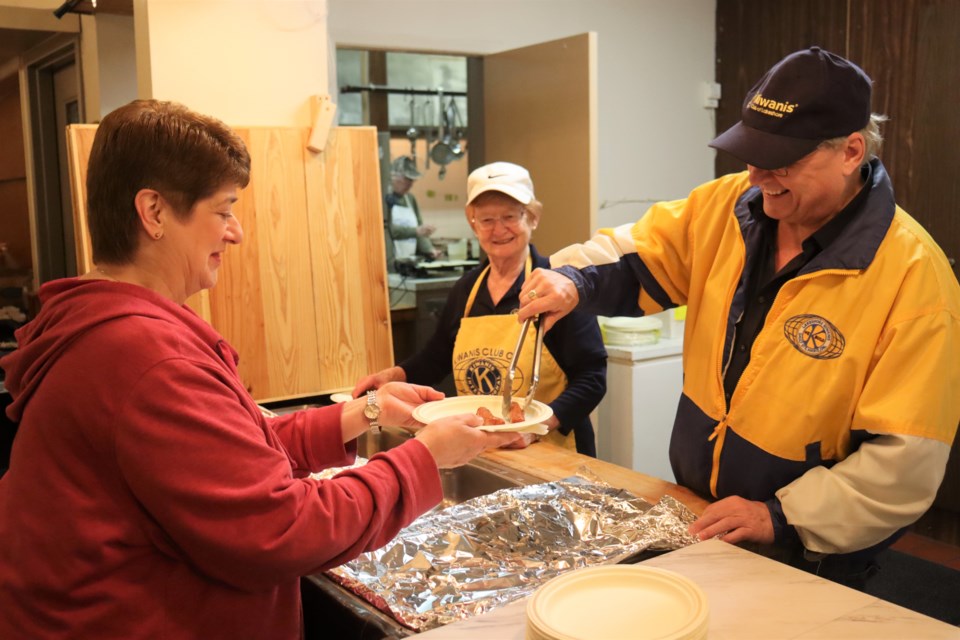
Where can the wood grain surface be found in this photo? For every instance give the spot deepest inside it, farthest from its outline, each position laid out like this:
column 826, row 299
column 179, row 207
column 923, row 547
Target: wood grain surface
column 550, row 462
column 79, row 143
column 303, row 298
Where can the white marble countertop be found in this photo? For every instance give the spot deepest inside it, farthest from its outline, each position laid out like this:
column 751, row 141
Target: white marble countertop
column 751, row 597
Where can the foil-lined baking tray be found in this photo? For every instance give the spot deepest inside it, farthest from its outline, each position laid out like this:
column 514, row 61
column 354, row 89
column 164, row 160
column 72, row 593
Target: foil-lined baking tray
column 489, row 551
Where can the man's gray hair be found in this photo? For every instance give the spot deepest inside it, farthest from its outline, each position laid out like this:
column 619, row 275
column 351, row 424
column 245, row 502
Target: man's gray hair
column 873, row 139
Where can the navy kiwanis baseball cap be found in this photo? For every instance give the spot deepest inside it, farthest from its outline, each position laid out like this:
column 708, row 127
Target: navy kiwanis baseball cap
column 808, row 97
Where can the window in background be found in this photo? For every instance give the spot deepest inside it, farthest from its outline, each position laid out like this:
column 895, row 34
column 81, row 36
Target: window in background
column 425, row 71
column 351, row 70
column 420, row 71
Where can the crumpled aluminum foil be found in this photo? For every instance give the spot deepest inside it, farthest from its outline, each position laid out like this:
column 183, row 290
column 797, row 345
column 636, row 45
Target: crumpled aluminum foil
column 489, row 551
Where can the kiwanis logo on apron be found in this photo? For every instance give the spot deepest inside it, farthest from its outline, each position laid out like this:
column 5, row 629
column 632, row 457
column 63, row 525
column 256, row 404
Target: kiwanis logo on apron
column 482, row 370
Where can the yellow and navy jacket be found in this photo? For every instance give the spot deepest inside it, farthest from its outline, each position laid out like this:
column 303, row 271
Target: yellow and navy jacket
column 864, row 341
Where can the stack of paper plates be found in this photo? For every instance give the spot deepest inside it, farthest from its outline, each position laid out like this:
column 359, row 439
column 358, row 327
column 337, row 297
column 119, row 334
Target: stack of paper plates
column 631, row 331
column 620, row 601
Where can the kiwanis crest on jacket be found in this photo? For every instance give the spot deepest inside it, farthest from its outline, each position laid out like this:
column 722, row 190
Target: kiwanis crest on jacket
column 814, row 336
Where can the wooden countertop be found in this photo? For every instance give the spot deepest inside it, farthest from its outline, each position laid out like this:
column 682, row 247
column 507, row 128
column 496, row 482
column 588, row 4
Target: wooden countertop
column 550, row 462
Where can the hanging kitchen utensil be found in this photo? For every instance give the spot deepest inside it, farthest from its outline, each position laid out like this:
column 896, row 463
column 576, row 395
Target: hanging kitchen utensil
column 412, row 132
column 448, row 148
column 456, row 121
column 427, row 136
column 440, row 150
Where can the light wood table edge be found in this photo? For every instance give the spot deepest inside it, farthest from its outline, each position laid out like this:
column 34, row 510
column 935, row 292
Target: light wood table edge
column 550, row 462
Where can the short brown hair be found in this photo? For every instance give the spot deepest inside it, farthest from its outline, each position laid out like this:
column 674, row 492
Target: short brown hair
column 149, row 144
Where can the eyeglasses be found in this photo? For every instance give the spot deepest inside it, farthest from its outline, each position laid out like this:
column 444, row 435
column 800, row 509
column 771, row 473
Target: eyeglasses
column 511, row 220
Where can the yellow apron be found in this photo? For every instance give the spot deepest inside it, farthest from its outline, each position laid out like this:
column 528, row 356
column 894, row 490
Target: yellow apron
column 482, row 353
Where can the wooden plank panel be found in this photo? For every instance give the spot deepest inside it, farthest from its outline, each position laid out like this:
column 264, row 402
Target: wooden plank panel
column 287, row 301
column 239, row 287
column 345, row 227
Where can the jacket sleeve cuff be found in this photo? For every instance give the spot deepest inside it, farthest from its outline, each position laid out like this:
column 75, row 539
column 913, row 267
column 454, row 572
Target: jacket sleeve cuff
column 583, row 290
column 782, row 531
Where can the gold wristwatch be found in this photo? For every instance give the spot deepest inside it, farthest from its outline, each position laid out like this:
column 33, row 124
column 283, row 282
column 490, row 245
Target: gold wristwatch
column 372, row 411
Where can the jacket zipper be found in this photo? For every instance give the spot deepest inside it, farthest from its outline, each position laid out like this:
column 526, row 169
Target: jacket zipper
column 720, row 431
column 719, row 434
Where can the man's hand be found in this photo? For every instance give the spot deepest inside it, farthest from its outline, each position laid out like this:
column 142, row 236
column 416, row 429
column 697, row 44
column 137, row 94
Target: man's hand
column 737, row 519
column 549, row 294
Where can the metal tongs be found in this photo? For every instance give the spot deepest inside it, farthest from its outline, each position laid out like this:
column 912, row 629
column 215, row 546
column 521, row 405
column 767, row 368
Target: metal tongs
column 512, row 371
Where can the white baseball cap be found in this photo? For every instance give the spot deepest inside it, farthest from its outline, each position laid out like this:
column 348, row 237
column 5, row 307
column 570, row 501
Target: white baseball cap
column 505, row 177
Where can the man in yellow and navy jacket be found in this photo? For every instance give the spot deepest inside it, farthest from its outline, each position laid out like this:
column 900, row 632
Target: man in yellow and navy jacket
column 821, row 387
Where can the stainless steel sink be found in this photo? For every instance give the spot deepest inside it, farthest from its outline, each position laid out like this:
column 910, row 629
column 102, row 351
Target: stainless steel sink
column 478, row 478
column 330, row 611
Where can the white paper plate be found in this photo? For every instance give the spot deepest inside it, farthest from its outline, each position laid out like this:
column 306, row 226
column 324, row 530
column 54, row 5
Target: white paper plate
column 340, row 397
column 536, row 413
column 620, row 601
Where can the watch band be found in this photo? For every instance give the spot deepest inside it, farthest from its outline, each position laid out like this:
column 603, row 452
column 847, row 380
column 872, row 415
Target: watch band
column 372, row 411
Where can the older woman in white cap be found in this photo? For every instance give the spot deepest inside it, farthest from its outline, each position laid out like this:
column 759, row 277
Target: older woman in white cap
column 478, row 330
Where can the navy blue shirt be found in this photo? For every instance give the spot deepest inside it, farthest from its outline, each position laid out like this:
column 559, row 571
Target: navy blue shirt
column 574, row 342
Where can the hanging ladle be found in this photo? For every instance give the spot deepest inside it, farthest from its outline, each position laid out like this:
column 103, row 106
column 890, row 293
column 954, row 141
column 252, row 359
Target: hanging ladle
column 448, row 148
column 412, row 132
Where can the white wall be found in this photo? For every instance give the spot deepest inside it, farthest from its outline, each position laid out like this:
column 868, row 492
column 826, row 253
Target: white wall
column 249, row 62
column 653, row 55
column 116, row 53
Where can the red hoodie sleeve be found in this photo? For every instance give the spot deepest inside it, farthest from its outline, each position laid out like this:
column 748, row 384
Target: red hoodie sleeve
column 314, row 439
column 220, row 488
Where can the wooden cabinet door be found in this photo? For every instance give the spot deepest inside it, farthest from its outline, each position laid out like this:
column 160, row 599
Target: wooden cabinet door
column 540, row 111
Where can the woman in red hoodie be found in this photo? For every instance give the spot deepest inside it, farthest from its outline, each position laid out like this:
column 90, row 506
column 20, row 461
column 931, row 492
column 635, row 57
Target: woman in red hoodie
column 147, row 495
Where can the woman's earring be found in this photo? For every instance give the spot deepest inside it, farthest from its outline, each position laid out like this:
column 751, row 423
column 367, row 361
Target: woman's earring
column 158, row 235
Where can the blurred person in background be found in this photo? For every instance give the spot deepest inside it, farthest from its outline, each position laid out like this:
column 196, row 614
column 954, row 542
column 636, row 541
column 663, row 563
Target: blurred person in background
column 406, row 237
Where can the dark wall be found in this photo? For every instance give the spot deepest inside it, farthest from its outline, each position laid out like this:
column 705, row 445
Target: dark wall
column 14, row 211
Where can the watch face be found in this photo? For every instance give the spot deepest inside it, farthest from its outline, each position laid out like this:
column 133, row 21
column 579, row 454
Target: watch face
column 371, row 411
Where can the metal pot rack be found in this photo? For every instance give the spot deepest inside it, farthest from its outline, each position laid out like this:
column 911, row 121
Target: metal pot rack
column 381, row 88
